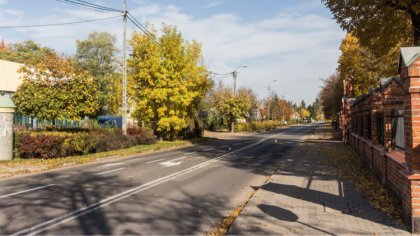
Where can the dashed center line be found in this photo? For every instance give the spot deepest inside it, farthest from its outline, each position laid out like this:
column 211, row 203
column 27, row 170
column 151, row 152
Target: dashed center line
column 190, row 153
column 112, row 164
column 25, row 191
column 109, row 171
column 155, row 161
column 208, row 149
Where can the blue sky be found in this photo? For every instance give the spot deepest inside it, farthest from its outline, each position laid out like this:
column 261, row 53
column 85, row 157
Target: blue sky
column 295, row 42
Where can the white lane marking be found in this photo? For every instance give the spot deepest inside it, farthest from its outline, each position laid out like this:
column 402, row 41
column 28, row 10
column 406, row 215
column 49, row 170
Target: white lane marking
column 25, row 191
column 208, row 149
column 170, row 163
column 109, row 171
column 179, row 158
column 155, row 161
column 112, row 164
column 36, row 229
column 189, row 153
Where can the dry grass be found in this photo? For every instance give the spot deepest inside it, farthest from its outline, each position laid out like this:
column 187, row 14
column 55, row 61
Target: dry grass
column 225, row 224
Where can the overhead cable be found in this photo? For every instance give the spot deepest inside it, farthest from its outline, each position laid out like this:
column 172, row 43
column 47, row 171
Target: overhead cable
column 56, row 24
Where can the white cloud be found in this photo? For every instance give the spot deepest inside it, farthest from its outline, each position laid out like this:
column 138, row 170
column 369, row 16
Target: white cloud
column 294, row 49
column 212, row 4
column 3, row 2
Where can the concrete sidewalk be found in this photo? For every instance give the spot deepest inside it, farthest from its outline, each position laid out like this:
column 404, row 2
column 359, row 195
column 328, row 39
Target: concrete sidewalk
column 305, row 197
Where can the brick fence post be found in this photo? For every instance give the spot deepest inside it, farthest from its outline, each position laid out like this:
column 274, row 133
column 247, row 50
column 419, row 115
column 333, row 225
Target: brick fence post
column 409, row 69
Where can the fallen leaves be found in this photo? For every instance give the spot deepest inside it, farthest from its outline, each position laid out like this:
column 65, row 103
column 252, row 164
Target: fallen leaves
column 348, row 166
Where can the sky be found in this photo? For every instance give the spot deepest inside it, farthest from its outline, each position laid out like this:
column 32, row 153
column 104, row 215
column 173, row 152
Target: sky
column 288, row 46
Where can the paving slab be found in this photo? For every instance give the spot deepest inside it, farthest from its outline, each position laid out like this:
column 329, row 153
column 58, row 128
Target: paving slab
column 304, row 198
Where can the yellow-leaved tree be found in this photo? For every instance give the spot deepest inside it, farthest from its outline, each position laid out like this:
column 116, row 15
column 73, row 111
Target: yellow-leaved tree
column 362, row 66
column 168, row 80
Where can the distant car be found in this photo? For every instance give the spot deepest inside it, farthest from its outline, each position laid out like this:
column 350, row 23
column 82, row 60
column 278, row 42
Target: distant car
column 110, row 121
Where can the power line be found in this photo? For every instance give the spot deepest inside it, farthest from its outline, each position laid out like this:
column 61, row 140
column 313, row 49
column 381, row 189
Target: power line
column 139, row 23
column 99, row 6
column 219, row 73
column 90, row 6
column 85, row 7
column 144, row 30
column 56, row 24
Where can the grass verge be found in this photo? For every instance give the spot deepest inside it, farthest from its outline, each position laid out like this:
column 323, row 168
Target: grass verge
column 25, row 166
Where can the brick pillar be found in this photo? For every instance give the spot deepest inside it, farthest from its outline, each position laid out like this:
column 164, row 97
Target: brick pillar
column 410, row 75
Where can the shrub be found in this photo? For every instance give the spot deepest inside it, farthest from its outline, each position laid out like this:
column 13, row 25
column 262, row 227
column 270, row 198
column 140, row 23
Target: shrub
column 257, row 126
column 61, row 144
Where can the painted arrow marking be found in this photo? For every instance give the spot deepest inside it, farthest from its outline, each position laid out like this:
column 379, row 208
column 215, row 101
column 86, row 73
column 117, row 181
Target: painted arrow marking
column 170, row 163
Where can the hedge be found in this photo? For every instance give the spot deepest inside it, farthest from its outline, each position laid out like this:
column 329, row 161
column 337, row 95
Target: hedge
column 257, row 126
column 45, row 144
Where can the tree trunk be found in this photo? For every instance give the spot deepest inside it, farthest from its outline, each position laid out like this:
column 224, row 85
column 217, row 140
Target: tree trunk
column 415, row 19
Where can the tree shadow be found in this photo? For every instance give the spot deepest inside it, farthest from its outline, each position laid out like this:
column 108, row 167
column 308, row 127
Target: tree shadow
column 180, row 212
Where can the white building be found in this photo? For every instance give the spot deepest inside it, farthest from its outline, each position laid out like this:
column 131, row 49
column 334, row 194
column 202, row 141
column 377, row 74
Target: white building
column 9, row 77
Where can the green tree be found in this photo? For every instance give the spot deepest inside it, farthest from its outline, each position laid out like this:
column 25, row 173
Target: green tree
column 379, row 24
column 26, row 52
column 97, row 56
column 52, row 90
column 330, row 96
column 168, row 82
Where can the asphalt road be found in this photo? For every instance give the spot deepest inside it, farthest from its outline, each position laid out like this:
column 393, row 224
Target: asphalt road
column 186, row 191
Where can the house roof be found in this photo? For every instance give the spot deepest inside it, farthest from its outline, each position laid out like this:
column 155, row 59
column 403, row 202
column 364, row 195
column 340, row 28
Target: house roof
column 6, row 102
column 9, row 77
column 383, row 83
column 408, row 55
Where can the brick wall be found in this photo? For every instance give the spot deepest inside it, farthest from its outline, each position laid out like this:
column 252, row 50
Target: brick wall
column 399, row 170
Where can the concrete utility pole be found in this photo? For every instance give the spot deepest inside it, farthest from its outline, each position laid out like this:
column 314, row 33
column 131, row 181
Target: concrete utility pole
column 124, row 80
column 235, row 74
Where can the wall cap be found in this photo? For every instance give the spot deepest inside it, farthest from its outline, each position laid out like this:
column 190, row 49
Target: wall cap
column 408, row 55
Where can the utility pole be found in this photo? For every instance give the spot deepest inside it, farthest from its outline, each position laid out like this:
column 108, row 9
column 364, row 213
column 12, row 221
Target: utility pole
column 235, row 74
column 124, row 80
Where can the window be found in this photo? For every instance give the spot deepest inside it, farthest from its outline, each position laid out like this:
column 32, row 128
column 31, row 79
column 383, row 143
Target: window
column 397, row 117
column 369, row 126
column 380, row 128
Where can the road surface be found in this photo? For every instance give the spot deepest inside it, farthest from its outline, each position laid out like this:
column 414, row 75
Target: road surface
column 185, row 191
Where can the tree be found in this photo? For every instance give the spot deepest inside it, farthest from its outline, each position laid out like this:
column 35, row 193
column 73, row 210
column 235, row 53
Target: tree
column 52, row 90
column 379, row 24
column 168, row 82
column 26, row 52
column 330, row 96
column 364, row 68
column 285, row 110
column 220, row 99
column 316, row 110
column 97, row 56
column 302, row 104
